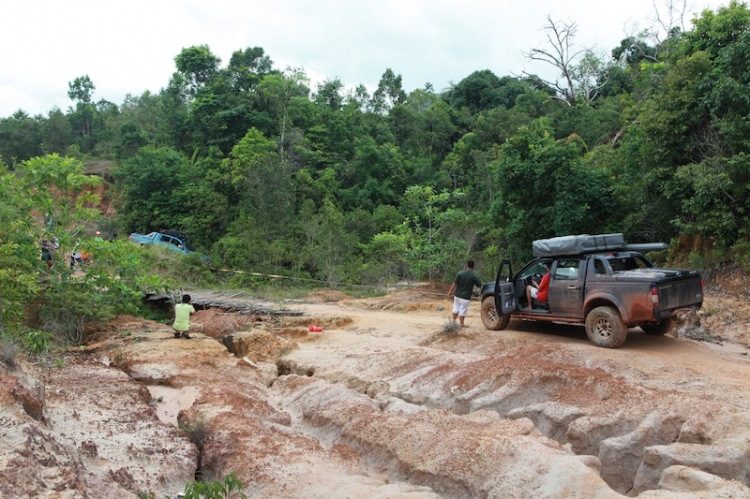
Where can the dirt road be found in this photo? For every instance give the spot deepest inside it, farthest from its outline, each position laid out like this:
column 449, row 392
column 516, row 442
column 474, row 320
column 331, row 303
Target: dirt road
column 381, row 404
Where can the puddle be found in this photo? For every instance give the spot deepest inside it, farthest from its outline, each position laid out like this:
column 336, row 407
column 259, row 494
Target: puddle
column 170, row 401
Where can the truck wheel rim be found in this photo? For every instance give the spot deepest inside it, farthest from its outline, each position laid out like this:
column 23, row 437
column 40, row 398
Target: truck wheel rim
column 492, row 314
column 603, row 328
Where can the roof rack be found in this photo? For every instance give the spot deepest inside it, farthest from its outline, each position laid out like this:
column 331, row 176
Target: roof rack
column 574, row 245
column 586, row 243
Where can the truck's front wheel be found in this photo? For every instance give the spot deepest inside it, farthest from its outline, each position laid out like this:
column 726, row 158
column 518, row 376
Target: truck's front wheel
column 490, row 317
column 605, row 328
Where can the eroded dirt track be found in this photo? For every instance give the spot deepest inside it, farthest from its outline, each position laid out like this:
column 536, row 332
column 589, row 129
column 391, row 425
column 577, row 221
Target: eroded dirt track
column 379, row 404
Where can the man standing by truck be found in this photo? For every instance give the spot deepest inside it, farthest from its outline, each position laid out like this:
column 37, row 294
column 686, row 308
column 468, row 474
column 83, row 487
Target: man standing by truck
column 461, row 289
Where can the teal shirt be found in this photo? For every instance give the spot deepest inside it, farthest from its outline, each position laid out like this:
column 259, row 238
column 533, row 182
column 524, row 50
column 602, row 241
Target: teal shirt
column 465, row 282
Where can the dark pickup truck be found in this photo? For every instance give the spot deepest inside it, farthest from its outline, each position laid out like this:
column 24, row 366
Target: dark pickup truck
column 597, row 281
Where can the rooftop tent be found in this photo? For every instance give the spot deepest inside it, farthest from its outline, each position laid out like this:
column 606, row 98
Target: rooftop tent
column 574, row 245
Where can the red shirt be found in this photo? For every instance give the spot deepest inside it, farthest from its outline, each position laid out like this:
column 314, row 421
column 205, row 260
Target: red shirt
column 543, row 288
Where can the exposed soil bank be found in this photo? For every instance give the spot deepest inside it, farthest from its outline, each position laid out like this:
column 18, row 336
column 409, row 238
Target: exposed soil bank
column 379, row 404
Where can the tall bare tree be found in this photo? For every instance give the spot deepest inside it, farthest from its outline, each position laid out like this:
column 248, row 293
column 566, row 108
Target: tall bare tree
column 668, row 17
column 561, row 54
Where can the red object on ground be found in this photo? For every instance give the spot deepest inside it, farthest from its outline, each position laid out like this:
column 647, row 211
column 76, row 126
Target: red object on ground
column 315, row 329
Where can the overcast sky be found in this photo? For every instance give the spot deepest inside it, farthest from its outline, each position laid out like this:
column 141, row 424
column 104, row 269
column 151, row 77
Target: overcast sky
column 129, row 47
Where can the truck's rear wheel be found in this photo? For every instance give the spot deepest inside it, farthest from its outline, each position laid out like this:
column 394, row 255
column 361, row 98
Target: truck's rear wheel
column 490, row 317
column 659, row 328
column 605, row 328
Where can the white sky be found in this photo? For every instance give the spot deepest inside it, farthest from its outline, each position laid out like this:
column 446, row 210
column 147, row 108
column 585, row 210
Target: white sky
column 129, row 47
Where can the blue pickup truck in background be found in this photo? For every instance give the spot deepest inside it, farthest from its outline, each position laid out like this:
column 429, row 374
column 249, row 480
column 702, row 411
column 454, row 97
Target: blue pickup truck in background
column 171, row 240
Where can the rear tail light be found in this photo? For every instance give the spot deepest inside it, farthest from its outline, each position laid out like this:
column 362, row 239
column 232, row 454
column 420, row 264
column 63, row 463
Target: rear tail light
column 654, row 297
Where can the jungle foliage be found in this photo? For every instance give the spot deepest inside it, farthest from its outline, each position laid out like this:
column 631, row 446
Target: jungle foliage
column 46, row 301
column 268, row 175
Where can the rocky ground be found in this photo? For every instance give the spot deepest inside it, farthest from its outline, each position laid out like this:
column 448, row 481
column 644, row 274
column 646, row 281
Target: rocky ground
column 383, row 404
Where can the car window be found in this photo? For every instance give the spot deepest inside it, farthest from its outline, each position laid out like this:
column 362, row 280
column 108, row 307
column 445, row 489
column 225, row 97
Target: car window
column 567, row 270
column 627, row 262
column 537, row 268
column 601, row 267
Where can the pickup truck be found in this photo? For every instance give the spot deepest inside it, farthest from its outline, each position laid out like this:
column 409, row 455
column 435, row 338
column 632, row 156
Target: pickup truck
column 171, row 239
column 596, row 281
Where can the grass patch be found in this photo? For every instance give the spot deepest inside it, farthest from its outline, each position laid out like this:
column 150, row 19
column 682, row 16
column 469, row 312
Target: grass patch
column 450, row 328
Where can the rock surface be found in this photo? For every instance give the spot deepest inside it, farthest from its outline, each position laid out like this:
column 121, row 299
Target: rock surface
column 379, row 404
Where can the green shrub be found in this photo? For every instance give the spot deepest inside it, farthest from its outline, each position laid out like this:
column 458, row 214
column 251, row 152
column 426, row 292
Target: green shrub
column 450, row 328
column 215, row 489
column 38, row 342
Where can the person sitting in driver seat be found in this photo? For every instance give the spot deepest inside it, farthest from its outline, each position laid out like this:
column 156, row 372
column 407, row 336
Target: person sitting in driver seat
column 539, row 291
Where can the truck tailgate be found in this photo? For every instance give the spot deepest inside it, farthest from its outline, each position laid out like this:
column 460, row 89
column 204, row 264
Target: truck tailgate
column 680, row 292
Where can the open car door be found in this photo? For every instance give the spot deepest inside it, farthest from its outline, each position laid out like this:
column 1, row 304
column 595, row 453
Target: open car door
column 505, row 293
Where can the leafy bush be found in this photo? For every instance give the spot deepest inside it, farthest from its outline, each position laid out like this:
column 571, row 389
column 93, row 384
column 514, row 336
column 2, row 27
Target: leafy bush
column 215, row 489
column 38, row 342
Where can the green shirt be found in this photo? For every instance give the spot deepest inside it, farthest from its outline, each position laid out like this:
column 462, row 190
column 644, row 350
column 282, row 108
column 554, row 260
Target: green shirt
column 182, row 313
column 465, row 282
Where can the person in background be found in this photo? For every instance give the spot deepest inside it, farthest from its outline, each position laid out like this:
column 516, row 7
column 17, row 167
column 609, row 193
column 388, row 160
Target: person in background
column 462, row 287
column 182, row 313
column 113, row 238
column 47, row 253
column 98, row 237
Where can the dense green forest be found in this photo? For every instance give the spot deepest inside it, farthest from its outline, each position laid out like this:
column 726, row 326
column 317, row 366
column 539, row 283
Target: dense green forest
column 266, row 174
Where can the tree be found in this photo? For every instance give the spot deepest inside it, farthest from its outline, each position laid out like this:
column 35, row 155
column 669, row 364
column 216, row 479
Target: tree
column 561, row 55
column 20, row 137
column 670, row 19
column 276, row 93
column 389, row 92
column 544, row 190
column 198, row 65
column 148, row 182
column 634, row 49
column 478, row 92
column 80, row 91
column 248, row 67
column 329, row 94
column 429, row 252
column 57, row 133
column 328, row 246
column 19, row 253
column 263, row 182
column 386, row 256
column 375, row 176
column 590, row 75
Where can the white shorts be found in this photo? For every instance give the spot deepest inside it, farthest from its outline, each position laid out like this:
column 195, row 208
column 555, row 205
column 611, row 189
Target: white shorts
column 534, row 293
column 460, row 306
